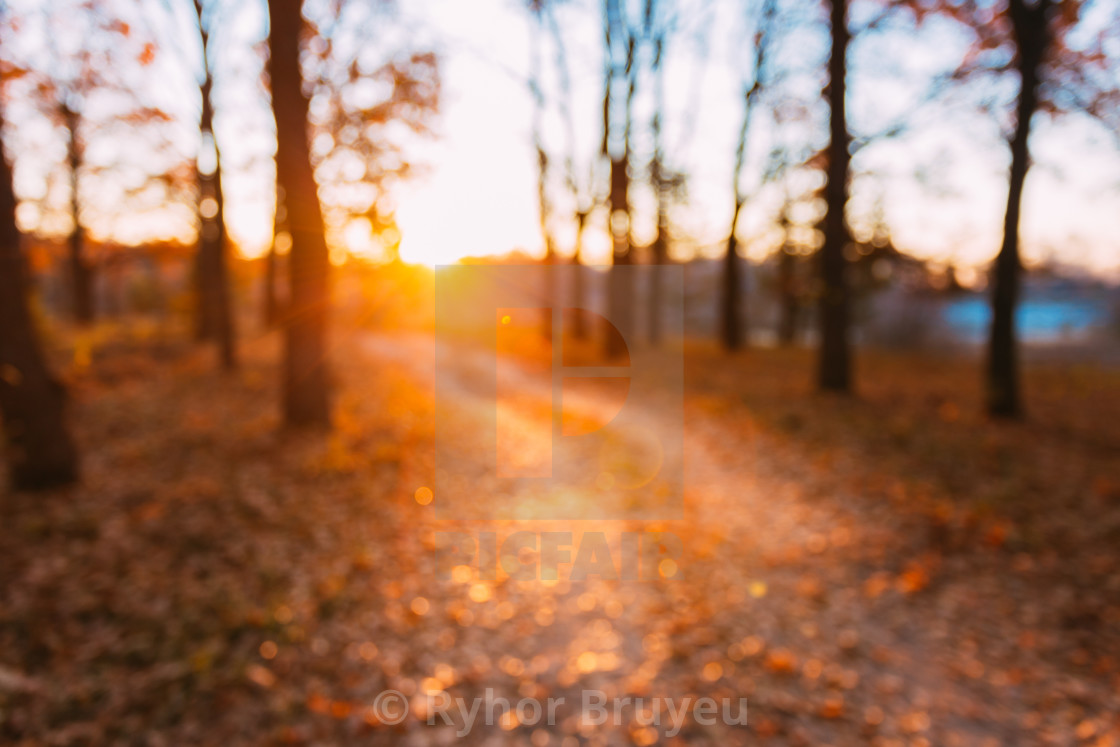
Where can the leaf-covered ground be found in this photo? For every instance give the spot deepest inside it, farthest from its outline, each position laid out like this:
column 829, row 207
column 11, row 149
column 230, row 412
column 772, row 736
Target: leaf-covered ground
column 889, row 570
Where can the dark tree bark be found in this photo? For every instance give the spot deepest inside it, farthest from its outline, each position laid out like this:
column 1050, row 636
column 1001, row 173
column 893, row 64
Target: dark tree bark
column 787, row 290
column 204, row 321
column 834, row 372
column 549, row 290
column 214, row 313
column 578, row 321
column 40, row 451
column 270, row 313
column 660, row 251
column 730, row 310
column 80, row 272
column 543, row 206
column 272, row 308
column 620, row 285
column 1029, row 23
column 788, row 303
column 731, row 327
column 660, row 256
column 306, row 393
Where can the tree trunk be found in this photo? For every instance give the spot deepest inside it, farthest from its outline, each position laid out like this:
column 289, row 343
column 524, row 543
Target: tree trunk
column 787, row 322
column 306, row 394
column 731, row 329
column 834, row 373
column 1003, row 364
column 270, row 313
column 272, row 309
column 620, row 283
column 204, row 323
column 40, row 451
column 548, row 287
column 549, row 290
column 578, row 326
column 658, row 177
column 214, row 262
column 80, row 275
column 205, row 308
column 214, row 315
column 660, row 257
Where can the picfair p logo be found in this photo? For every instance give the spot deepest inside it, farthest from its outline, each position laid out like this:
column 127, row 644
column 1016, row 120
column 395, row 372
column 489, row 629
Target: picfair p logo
column 549, row 410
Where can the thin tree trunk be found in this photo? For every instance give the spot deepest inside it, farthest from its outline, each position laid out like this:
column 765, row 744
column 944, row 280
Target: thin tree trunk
column 223, row 306
column 788, row 305
column 1003, row 365
column 660, row 257
column 576, row 322
column 306, row 393
column 549, row 279
column 203, row 282
column 205, row 288
column 270, row 314
column 658, row 177
column 731, row 327
column 549, row 289
column 579, row 318
column 787, row 322
column 731, row 332
column 620, row 282
column 214, row 313
column 834, row 373
column 80, row 276
column 39, row 448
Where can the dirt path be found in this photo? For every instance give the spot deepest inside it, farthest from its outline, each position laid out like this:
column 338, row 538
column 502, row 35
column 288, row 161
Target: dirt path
column 787, row 597
column 219, row 580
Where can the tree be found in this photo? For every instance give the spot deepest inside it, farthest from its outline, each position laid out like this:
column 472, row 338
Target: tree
column 270, row 304
column 75, row 76
column 81, row 272
column 536, row 8
column 1055, row 76
column 834, row 358
column 662, row 181
column 214, row 313
column 580, row 191
column 40, row 451
column 788, row 296
column 732, row 327
column 1029, row 24
column 620, row 71
column 306, row 386
column 669, row 184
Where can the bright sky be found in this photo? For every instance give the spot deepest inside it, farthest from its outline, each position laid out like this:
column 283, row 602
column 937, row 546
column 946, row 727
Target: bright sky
column 942, row 185
column 480, row 196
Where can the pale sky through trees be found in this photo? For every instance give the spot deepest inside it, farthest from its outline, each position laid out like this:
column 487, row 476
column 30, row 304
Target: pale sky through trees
column 943, row 182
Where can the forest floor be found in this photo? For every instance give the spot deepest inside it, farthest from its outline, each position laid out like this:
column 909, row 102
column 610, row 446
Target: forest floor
column 890, row 569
